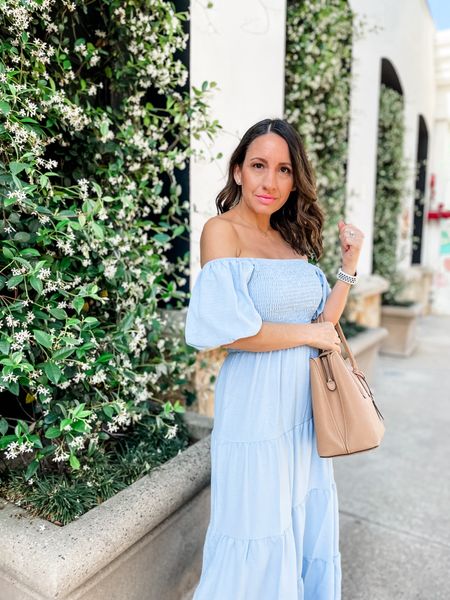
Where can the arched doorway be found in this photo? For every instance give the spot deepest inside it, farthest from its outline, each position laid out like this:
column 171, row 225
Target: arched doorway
column 390, row 179
column 419, row 197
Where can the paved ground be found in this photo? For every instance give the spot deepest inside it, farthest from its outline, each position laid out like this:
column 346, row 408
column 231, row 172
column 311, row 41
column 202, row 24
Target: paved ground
column 395, row 500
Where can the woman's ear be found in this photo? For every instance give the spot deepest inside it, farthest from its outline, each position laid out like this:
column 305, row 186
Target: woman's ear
column 237, row 175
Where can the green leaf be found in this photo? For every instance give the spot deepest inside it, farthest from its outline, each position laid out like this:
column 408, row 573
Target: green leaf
column 13, row 281
column 58, row 313
column 3, row 426
column 24, row 262
column 13, row 387
column 98, row 231
column 43, row 181
column 52, row 432
column 161, row 237
column 79, row 426
column 52, row 371
column 17, row 167
column 74, row 225
column 29, row 252
column 74, row 462
column 36, row 284
column 104, row 358
column 178, row 230
column 5, row 108
column 21, row 427
column 50, row 418
column 9, row 201
column 31, row 469
column 36, row 441
column 42, row 338
column 64, row 423
column 22, row 236
column 108, row 410
column 7, row 253
column 78, row 409
column 78, row 303
column 63, row 353
column 91, row 321
column 4, row 347
column 7, row 439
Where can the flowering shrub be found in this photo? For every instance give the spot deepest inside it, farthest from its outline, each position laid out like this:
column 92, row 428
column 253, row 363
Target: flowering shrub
column 390, row 191
column 318, row 63
column 94, row 123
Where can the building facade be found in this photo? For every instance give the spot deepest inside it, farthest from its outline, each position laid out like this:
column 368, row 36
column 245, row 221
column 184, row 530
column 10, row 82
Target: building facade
column 241, row 46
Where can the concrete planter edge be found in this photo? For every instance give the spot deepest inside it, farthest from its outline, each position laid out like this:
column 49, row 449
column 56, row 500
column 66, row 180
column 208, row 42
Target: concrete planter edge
column 365, row 347
column 47, row 561
column 400, row 321
column 365, row 339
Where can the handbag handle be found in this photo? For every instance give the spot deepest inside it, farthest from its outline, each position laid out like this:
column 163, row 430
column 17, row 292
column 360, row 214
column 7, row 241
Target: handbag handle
column 343, row 339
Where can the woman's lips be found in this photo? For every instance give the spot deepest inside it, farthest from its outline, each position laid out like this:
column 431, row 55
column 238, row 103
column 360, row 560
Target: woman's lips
column 265, row 199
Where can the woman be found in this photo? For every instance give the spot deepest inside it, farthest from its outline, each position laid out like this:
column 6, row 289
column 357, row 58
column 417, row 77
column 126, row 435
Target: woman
column 273, row 532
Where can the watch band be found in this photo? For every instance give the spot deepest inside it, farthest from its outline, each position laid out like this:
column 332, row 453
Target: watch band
column 351, row 279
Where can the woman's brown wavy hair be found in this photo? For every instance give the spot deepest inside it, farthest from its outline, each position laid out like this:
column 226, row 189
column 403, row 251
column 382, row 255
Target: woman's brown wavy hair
column 300, row 219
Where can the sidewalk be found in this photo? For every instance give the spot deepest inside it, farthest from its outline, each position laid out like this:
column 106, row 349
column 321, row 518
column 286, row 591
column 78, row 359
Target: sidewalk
column 395, row 501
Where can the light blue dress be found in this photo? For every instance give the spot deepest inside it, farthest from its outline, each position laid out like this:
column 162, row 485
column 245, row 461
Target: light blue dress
column 274, row 526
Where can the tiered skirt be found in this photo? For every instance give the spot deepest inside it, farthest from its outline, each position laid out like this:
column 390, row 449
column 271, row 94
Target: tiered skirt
column 274, row 526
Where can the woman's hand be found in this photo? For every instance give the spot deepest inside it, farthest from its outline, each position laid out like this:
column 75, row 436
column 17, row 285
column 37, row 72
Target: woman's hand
column 350, row 246
column 324, row 336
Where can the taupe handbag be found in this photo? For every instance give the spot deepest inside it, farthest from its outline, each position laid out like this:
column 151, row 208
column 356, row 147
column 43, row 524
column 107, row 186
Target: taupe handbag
column 346, row 418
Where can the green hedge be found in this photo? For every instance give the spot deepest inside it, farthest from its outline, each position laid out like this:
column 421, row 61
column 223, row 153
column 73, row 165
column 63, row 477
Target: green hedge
column 95, row 121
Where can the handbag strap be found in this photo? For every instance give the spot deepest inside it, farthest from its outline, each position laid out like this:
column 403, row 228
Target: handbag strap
column 343, row 339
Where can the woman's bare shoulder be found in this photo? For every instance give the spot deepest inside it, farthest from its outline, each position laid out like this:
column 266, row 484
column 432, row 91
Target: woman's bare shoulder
column 218, row 239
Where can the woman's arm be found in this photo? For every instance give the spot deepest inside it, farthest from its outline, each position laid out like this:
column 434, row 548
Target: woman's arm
column 337, row 299
column 351, row 240
column 279, row 336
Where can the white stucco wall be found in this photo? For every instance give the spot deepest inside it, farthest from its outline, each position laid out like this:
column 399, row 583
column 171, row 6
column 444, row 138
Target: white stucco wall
column 241, row 46
column 404, row 34
column 438, row 246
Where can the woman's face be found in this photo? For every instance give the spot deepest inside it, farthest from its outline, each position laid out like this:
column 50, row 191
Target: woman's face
column 266, row 175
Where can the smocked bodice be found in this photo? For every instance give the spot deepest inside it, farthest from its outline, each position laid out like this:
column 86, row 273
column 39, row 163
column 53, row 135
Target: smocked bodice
column 232, row 297
column 286, row 290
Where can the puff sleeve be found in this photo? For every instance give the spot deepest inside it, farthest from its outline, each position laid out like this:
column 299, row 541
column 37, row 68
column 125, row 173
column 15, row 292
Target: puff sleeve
column 220, row 308
column 326, row 290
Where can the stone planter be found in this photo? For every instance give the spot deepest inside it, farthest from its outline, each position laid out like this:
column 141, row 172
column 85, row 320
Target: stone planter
column 364, row 300
column 144, row 543
column 365, row 347
column 400, row 321
column 418, row 286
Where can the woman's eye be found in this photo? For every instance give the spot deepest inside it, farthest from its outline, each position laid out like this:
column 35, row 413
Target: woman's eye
column 288, row 170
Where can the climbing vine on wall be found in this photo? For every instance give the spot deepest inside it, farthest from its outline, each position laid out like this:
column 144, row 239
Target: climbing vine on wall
column 317, row 97
column 390, row 190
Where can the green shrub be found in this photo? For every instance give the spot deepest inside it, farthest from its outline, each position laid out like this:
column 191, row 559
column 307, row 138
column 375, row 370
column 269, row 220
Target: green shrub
column 94, row 124
column 63, row 497
column 390, row 191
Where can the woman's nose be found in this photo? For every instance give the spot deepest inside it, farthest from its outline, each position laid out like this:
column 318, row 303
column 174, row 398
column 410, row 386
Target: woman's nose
column 269, row 179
